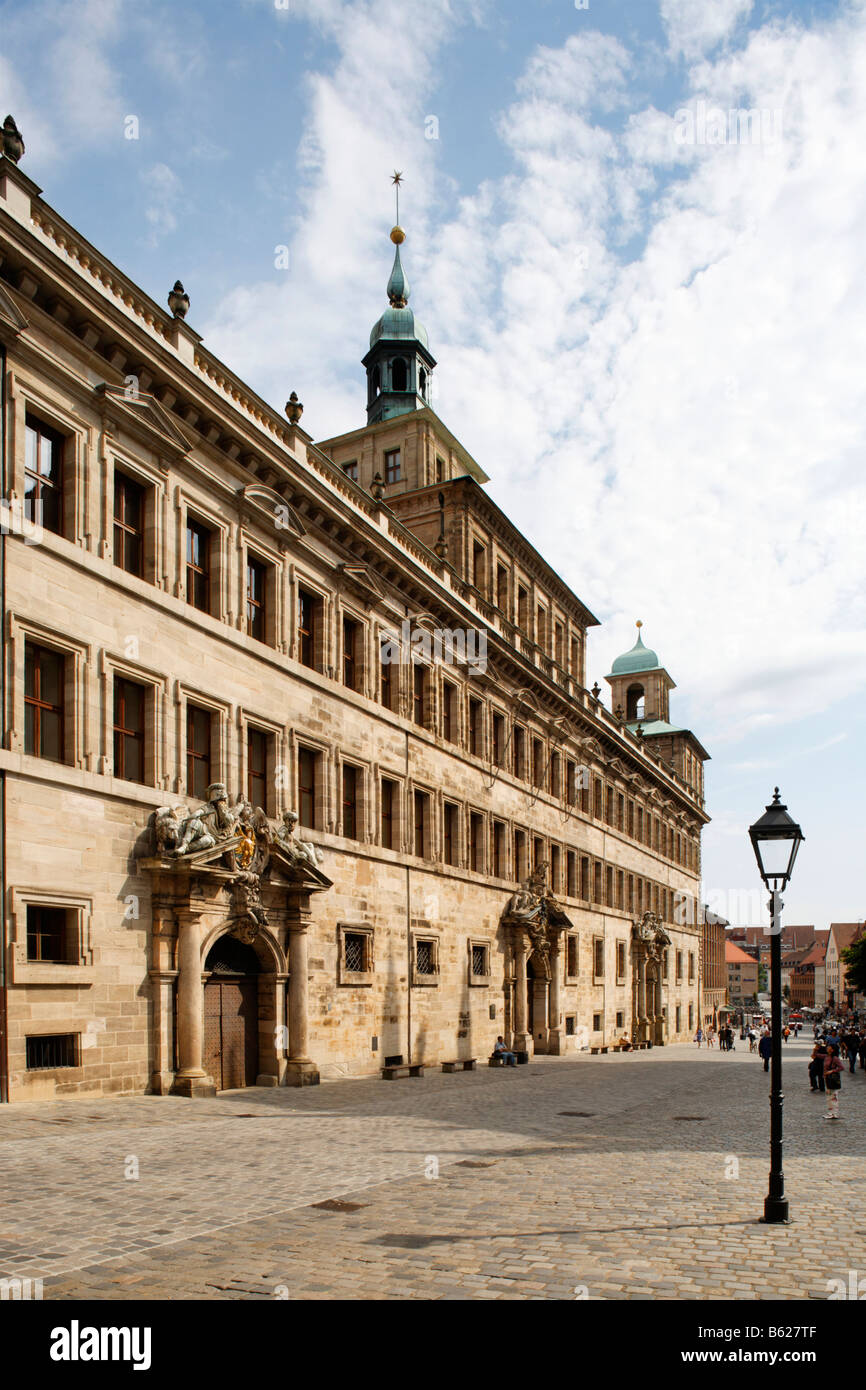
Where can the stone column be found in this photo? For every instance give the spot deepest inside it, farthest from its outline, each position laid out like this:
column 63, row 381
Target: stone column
column 191, row 1079
column 300, row 1070
column 555, row 1042
column 521, row 1038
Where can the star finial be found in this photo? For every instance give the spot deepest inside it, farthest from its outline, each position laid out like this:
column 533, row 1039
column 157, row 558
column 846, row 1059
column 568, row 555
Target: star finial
column 397, row 179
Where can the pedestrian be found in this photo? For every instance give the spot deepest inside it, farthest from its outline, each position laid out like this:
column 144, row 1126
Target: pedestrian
column 699, row 1036
column 786, row 1032
column 753, row 1040
column 816, row 1067
column 852, row 1047
column 500, row 1050
column 833, row 1081
column 711, row 1038
column 862, row 1051
column 765, row 1050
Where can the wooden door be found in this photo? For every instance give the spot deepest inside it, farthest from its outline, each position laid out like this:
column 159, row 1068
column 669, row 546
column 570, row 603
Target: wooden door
column 231, row 1032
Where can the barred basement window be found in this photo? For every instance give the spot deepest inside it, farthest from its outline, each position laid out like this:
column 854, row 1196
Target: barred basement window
column 479, row 960
column 52, row 1050
column 620, row 1020
column 425, row 963
column 355, row 948
column 596, row 1023
column 570, row 1021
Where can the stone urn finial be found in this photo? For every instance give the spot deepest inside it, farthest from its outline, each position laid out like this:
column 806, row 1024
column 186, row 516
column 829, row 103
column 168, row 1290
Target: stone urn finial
column 377, row 488
column 13, row 140
column 178, row 301
column 596, row 691
column 294, row 408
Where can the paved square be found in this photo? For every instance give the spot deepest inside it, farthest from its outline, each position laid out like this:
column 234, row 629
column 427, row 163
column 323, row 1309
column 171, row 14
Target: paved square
column 616, row 1177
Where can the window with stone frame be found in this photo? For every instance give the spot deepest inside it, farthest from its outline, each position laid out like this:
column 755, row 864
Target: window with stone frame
column 351, row 469
column 498, row 865
column 476, row 727
column 129, row 524
column 449, row 711
column 555, row 868
column 538, row 762
column 52, row 935
column 350, row 801
column 450, row 833
column 572, row 958
column 258, row 583
column 555, row 780
column 620, row 1019
column 393, row 466
column 518, row 741
column 355, row 954
column 425, row 959
column 570, row 874
column 584, row 879
column 498, row 738
column 598, row 957
column 259, row 746
column 199, row 546
column 352, row 653
column 679, row 974
column 420, row 688
column 520, row 865
column 691, row 967
column 310, row 624
column 421, row 826
column 502, row 587
column 44, row 475
column 309, row 780
column 52, row 1051
column 44, row 702
column 199, row 750
column 387, row 673
column 479, row 962
column 129, row 729
column 390, row 834
column 476, row 843
column 620, row 961
column 597, row 1023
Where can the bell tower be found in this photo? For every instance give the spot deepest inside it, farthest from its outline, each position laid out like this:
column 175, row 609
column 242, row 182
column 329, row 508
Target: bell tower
column 640, row 686
column 399, row 363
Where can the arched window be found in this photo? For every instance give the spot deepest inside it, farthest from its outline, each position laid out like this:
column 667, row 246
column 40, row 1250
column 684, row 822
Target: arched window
column 398, row 374
column 422, row 383
column 375, row 383
column 634, row 700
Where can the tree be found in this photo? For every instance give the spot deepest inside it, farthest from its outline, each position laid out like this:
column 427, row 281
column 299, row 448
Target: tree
column 854, row 957
column 762, row 979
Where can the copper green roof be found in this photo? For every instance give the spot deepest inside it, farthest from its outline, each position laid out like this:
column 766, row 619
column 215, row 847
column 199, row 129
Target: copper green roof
column 640, row 658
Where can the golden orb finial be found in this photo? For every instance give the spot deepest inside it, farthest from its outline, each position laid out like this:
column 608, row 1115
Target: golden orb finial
column 639, row 624
column 398, row 236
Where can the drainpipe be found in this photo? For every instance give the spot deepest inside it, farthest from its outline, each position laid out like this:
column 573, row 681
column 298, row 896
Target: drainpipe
column 4, row 1034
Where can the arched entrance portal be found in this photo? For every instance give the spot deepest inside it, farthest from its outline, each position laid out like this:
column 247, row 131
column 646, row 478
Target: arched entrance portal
column 231, row 1014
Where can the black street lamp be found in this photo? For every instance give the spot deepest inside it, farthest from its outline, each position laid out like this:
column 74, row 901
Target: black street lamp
column 776, row 839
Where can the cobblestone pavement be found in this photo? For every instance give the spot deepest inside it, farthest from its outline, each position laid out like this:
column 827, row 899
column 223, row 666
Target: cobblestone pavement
column 618, row 1177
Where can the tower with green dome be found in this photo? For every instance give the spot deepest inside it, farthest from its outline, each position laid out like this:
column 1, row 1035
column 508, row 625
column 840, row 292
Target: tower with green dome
column 639, row 685
column 399, row 362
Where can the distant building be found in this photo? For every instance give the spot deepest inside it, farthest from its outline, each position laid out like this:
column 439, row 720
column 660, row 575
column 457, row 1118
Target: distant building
column 839, row 996
column 809, row 978
column 714, row 980
column 742, row 970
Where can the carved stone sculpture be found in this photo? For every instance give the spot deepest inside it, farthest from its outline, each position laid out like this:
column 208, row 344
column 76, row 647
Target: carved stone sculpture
column 13, row 141
column 300, row 851
column 248, row 915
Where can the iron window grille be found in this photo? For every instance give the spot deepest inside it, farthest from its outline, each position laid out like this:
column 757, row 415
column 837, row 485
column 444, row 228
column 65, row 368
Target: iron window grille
column 425, row 958
column 479, row 961
column 355, row 952
column 52, row 1050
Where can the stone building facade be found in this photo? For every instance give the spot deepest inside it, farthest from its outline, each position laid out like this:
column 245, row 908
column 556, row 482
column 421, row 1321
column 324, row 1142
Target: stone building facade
column 211, row 621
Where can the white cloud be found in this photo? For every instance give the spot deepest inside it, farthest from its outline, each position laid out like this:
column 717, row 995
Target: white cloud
column 164, row 193
column 696, row 26
column 678, row 430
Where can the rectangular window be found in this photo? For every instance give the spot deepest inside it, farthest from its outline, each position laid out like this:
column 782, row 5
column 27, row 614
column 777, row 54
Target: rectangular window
column 597, row 800
column 572, row 968
column 520, row 855
column 450, row 835
column 559, row 643
column 609, row 813
column 679, row 966
column 596, row 1023
column 440, row 469
column 309, row 617
column 620, row 960
column 620, row 811
column 449, row 707
column 198, row 751
column 620, row 889
column 129, row 712
column 257, row 582
column 537, row 851
column 575, row 657
column 257, row 768
column 571, row 874
column 555, row 867
column 52, row 1050
column 198, row 544
column 480, row 960
column 476, row 728
column 386, row 682
column 351, row 469
column 541, row 627
column 523, row 609
column 519, row 750
column 620, row 1019
column 570, row 782
column 596, row 882
column 691, row 967
column 49, row 936
column 555, row 775
column 425, row 958
column 498, row 739
column 356, row 952
column 537, row 762
column 44, row 701
column 679, row 1019
column 631, row 893
column 351, row 644
column 419, row 695
column 502, row 588
column 350, row 801
column 570, row 1022
column 476, row 843
column 390, row 837
column 392, row 466
column 43, row 475
column 584, row 879
column 608, row 886
column 498, row 849
column 639, row 824
column 598, row 958
column 421, row 801
column 128, row 525
column 479, row 567
column 308, row 782
column 691, row 1016
column 631, row 820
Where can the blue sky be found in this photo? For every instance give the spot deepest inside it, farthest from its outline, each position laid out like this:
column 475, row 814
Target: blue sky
column 650, row 337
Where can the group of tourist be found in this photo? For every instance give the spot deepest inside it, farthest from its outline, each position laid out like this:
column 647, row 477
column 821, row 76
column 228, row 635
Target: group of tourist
column 834, row 1046
column 708, row 1036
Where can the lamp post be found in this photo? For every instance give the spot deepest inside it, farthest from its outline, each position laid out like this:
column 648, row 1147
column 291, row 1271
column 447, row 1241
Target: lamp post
column 776, row 839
